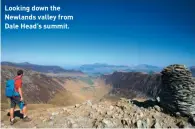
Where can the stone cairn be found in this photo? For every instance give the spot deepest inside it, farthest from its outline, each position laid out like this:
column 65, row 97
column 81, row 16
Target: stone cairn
column 177, row 93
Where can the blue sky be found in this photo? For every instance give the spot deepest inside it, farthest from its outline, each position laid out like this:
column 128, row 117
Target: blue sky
column 125, row 32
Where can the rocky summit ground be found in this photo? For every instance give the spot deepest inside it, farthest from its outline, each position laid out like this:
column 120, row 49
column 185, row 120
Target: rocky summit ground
column 104, row 114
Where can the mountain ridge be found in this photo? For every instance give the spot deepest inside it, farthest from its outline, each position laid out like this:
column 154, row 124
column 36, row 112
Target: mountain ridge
column 37, row 87
column 133, row 84
column 109, row 69
column 39, row 68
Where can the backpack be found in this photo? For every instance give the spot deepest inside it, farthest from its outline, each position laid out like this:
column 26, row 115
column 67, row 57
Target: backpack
column 10, row 89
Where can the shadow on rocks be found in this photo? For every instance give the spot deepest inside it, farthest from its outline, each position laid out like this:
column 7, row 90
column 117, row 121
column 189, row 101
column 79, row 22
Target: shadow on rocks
column 153, row 105
column 16, row 114
column 145, row 104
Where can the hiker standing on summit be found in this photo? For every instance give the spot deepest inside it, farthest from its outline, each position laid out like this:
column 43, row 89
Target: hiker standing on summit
column 18, row 99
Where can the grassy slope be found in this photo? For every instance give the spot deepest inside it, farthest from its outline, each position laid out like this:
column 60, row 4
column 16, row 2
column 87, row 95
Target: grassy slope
column 80, row 91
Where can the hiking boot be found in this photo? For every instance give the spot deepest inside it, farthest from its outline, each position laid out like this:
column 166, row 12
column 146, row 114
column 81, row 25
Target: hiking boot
column 26, row 119
column 12, row 121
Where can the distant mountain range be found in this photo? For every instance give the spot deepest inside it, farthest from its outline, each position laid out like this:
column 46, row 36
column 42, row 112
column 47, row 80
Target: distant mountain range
column 39, row 68
column 107, row 69
column 96, row 69
column 193, row 70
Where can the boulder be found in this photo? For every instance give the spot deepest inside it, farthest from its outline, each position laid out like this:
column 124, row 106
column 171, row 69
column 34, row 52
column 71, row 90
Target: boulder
column 107, row 123
column 89, row 103
column 156, row 124
column 141, row 124
column 54, row 113
column 77, row 105
column 181, row 124
column 157, row 108
column 192, row 120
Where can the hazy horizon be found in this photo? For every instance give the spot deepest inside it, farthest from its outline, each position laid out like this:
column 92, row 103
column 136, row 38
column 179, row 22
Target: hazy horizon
column 70, row 66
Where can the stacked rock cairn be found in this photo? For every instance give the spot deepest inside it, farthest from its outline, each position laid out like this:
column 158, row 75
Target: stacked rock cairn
column 177, row 91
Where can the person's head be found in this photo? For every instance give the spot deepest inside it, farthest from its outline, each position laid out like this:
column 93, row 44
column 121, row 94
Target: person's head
column 20, row 73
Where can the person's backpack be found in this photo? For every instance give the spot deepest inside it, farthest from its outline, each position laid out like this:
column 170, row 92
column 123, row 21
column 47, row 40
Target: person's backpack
column 10, row 89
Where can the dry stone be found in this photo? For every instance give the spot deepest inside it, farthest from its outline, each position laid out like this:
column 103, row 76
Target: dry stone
column 141, row 124
column 157, row 108
column 177, row 90
column 77, row 105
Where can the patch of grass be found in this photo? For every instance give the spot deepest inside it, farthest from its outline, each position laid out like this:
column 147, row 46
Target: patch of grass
column 87, row 89
column 87, row 80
